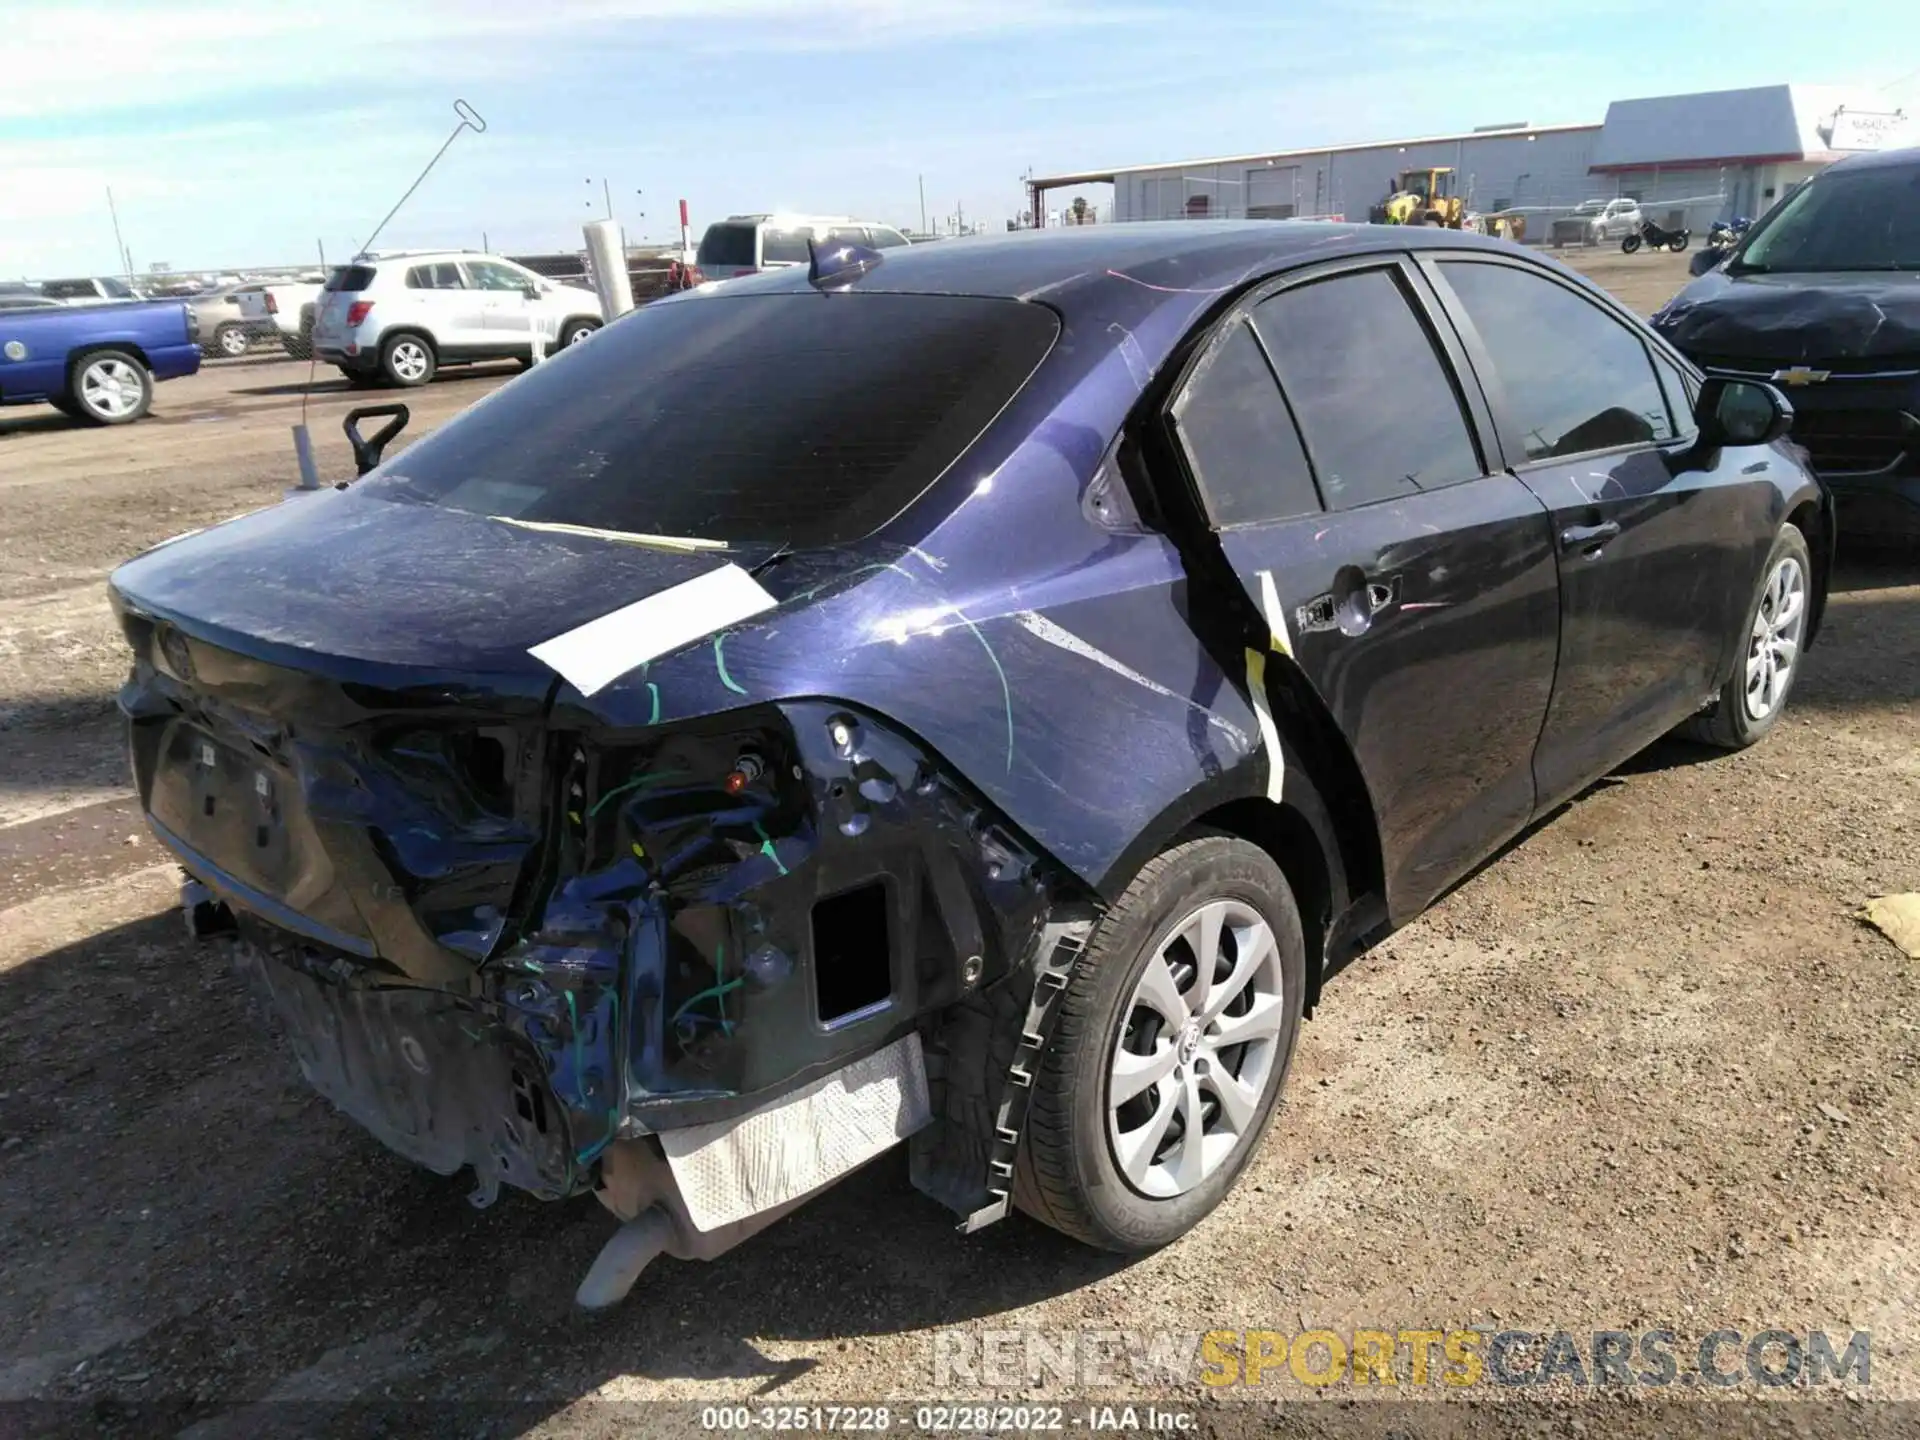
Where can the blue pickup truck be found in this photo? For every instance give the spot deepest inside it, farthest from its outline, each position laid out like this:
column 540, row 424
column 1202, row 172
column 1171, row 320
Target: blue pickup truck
column 96, row 362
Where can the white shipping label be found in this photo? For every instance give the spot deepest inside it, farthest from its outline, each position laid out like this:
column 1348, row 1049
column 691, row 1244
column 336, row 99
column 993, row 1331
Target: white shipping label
column 592, row 656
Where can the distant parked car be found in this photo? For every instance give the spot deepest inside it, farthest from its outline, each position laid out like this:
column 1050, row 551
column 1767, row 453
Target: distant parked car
column 287, row 309
column 223, row 319
column 748, row 244
column 90, row 291
column 1597, row 222
column 97, row 363
column 1823, row 296
column 398, row 316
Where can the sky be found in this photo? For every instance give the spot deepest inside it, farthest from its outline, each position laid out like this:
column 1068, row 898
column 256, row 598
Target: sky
column 257, row 133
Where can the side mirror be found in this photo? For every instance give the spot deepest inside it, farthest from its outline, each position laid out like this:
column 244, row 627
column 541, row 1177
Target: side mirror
column 530, row 290
column 1703, row 261
column 1741, row 412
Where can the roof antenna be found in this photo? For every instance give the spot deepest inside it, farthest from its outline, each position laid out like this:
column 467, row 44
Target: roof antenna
column 839, row 264
column 470, row 119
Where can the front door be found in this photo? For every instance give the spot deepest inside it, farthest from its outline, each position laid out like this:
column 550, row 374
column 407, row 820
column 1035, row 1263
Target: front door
column 1412, row 581
column 1656, row 554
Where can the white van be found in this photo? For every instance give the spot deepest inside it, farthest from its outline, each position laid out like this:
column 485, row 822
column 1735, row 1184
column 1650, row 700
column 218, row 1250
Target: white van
column 748, row 244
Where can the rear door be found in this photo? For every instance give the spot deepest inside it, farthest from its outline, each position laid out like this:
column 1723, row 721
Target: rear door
column 1347, row 474
column 506, row 314
column 1657, row 555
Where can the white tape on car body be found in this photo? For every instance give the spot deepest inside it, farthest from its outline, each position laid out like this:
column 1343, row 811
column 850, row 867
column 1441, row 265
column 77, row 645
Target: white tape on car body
column 592, row 656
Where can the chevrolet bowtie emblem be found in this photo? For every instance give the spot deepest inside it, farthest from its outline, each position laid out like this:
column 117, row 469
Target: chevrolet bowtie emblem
column 1801, row 375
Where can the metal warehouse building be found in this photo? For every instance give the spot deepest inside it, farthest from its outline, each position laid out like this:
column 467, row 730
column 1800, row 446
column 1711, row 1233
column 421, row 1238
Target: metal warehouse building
column 1688, row 158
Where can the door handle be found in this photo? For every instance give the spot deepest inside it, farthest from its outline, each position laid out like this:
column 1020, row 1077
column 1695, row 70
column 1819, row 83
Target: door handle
column 1588, row 538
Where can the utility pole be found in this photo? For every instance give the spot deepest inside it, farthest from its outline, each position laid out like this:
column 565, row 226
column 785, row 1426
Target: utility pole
column 960, row 213
column 119, row 245
column 923, row 204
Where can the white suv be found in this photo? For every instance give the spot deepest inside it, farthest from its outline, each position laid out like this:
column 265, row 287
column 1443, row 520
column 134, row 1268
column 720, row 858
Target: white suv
column 748, row 244
column 400, row 315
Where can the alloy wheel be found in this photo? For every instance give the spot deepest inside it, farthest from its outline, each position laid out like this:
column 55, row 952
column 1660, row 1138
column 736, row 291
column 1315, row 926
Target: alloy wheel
column 1774, row 647
column 410, row 360
column 1197, row 1044
column 111, row 388
column 233, row 342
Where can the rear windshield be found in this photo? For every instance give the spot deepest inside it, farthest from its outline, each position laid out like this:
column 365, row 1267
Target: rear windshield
column 1843, row 220
column 727, row 245
column 808, row 420
column 351, row 277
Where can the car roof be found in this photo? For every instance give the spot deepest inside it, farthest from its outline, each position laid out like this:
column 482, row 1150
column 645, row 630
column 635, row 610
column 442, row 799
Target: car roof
column 1879, row 160
column 1081, row 267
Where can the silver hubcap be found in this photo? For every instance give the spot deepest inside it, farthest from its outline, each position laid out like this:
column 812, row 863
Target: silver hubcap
column 410, row 360
column 585, row 332
column 1774, row 647
column 233, row 342
column 1197, row 1046
column 111, row 388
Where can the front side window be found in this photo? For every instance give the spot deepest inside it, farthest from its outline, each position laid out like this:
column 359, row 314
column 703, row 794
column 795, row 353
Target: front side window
column 1375, row 402
column 117, row 289
column 1573, row 377
column 784, row 419
column 1240, row 443
column 885, row 238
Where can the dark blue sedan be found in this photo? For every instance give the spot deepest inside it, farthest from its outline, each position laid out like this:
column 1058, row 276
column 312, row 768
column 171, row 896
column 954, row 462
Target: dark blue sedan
column 976, row 696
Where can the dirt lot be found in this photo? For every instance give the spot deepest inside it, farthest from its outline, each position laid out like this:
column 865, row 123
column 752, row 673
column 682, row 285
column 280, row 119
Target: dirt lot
column 1644, row 1070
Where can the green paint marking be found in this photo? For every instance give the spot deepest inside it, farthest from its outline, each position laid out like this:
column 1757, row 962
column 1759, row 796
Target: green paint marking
column 766, row 848
column 645, row 777
column 711, row 992
column 720, row 664
column 653, row 691
column 1006, row 694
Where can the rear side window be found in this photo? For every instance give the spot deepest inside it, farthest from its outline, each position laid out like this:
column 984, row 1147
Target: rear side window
column 1376, row 406
column 796, row 419
column 351, row 277
column 444, row 276
column 1574, row 378
column 727, row 245
column 783, row 247
column 1239, row 440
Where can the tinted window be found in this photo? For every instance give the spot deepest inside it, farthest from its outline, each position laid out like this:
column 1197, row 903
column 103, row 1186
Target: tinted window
column 1373, row 400
column 351, row 277
column 849, row 235
column 1843, row 220
column 1574, row 378
column 70, row 289
column 783, row 247
column 491, row 275
column 1240, row 442
column 780, row 418
column 727, row 245
column 1679, row 392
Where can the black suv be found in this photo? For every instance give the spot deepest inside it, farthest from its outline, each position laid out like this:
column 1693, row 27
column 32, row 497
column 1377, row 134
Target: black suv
column 1824, row 297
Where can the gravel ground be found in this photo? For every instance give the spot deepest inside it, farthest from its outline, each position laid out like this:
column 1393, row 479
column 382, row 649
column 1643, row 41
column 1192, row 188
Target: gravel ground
column 1645, row 1070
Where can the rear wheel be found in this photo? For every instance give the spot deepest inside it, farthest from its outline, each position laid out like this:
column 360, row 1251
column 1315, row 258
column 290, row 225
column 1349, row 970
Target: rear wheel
column 407, row 360
column 575, row 331
column 1749, row 704
column 232, row 340
column 110, row 387
column 1173, row 1040
column 1679, row 242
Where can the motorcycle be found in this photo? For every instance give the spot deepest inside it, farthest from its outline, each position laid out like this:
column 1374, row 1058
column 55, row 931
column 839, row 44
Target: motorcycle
column 1724, row 236
column 1656, row 237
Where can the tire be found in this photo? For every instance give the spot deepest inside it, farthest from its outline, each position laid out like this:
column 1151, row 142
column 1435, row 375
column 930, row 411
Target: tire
column 110, row 387
column 296, row 349
column 1731, row 723
column 407, row 359
column 65, row 406
column 1630, row 244
column 1069, row 1173
column 1679, row 242
column 574, row 331
column 231, row 340
column 359, row 379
